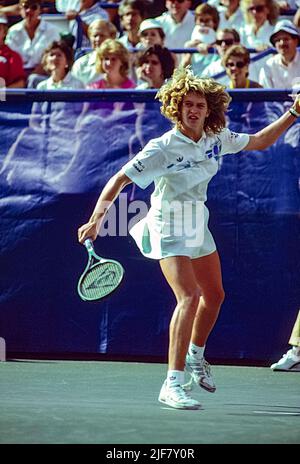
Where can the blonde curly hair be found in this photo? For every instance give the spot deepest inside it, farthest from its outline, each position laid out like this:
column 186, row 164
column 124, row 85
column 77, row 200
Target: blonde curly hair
column 184, row 81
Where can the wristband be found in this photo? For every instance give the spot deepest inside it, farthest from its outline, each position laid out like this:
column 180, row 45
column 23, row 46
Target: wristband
column 294, row 112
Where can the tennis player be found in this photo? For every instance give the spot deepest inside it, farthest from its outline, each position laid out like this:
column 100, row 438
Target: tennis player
column 181, row 163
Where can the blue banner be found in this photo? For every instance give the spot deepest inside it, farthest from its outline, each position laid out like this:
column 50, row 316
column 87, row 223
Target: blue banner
column 56, row 156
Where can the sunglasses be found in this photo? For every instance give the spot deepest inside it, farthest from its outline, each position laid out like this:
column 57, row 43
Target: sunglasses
column 33, row 7
column 178, row 1
column 225, row 41
column 257, row 8
column 238, row 64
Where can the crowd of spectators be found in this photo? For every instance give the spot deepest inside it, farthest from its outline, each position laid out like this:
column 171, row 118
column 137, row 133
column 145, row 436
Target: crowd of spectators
column 138, row 43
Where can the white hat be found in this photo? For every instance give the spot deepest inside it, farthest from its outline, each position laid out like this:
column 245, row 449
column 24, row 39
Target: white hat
column 3, row 20
column 204, row 34
column 286, row 26
column 149, row 23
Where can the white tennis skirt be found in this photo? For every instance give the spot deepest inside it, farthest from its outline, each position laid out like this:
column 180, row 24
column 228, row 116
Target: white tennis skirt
column 181, row 231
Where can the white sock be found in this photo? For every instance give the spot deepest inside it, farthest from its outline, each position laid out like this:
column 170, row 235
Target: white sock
column 196, row 351
column 296, row 350
column 175, row 378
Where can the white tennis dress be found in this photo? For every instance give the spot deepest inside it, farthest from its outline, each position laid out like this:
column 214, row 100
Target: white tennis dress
column 177, row 221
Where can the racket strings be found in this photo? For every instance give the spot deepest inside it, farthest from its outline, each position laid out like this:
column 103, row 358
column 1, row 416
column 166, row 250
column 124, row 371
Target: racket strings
column 101, row 280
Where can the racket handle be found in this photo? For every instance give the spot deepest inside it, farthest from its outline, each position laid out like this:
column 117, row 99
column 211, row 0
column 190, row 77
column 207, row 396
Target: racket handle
column 88, row 243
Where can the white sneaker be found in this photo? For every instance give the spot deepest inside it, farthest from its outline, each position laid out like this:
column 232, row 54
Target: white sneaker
column 177, row 398
column 200, row 374
column 289, row 362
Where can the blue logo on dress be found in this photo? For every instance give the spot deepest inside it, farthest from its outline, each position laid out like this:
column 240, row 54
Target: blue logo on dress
column 214, row 151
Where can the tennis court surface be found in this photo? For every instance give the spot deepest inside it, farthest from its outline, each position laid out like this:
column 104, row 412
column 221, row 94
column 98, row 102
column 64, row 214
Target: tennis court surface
column 90, row 402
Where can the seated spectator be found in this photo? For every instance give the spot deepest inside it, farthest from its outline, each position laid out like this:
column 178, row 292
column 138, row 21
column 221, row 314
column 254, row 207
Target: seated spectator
column 281, row 70
column 231, row 15
column 84, row 67
column 113, row 62
column 31, row 36
column 260, row 18
column 202, row 38
column 89, row 11
column 177, row 23
column 155, row 65
column 11, row 64
column 57, row 61
column 131, row 13
column 150, row 33
column 225, row 39
column 236, row 61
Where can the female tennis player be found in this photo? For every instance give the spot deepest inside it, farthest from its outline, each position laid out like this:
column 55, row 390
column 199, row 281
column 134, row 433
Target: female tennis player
column 181, row 163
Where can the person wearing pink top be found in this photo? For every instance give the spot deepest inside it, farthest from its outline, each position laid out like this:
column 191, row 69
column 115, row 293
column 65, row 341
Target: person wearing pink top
column 113, row 62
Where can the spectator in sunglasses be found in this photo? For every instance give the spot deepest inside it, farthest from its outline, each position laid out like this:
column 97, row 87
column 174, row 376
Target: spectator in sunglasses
column 31, row 36
column 282, row 69
column 225, row 38
column 260, row 18
column 177, row 23
column 236, row 61
column 202, row 38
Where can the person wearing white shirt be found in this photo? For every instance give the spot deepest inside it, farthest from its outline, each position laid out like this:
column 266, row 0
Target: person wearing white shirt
column 175, row 231
column 131, row 13
column 84, row 67
column 231, row 15
column 31, row 36
column 225, row 39
column 260, row 18
column 282, row 70
column 67, row 5
column 178, row 23
column 57, row 61
column 203, row 37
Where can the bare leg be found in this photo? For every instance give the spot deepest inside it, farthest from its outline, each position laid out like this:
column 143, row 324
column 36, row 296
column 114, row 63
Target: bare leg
column 179, row 273
column 208, row 274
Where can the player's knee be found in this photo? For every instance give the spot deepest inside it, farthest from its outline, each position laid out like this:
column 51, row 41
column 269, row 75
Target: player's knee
column 215, row 298
column 190, row 300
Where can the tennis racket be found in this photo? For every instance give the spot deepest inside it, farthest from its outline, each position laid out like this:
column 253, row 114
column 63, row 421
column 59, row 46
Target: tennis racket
column 100, row 277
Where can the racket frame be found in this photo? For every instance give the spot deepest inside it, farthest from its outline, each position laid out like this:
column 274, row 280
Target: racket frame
column 95, row 260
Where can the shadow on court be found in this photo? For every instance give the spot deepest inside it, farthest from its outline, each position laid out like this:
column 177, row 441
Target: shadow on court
column 116, row 403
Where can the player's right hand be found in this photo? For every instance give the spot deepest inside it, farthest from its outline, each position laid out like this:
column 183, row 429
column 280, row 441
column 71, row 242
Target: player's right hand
column 88, row 230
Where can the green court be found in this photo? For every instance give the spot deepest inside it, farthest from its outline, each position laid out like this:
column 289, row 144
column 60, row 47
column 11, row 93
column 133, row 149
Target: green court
column 90, row 402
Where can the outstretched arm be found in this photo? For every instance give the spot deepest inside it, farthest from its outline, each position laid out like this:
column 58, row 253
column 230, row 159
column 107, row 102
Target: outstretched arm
column 108, row 195
column 267, row 136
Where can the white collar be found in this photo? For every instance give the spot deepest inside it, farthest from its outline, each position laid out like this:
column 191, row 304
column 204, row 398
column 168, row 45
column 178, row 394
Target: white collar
column 187, row 139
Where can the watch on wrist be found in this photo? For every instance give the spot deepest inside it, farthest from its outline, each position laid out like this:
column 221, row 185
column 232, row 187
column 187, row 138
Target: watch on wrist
column 294, row 112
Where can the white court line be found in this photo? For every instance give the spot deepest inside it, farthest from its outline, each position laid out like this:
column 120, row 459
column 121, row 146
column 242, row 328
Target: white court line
column 278, row 413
